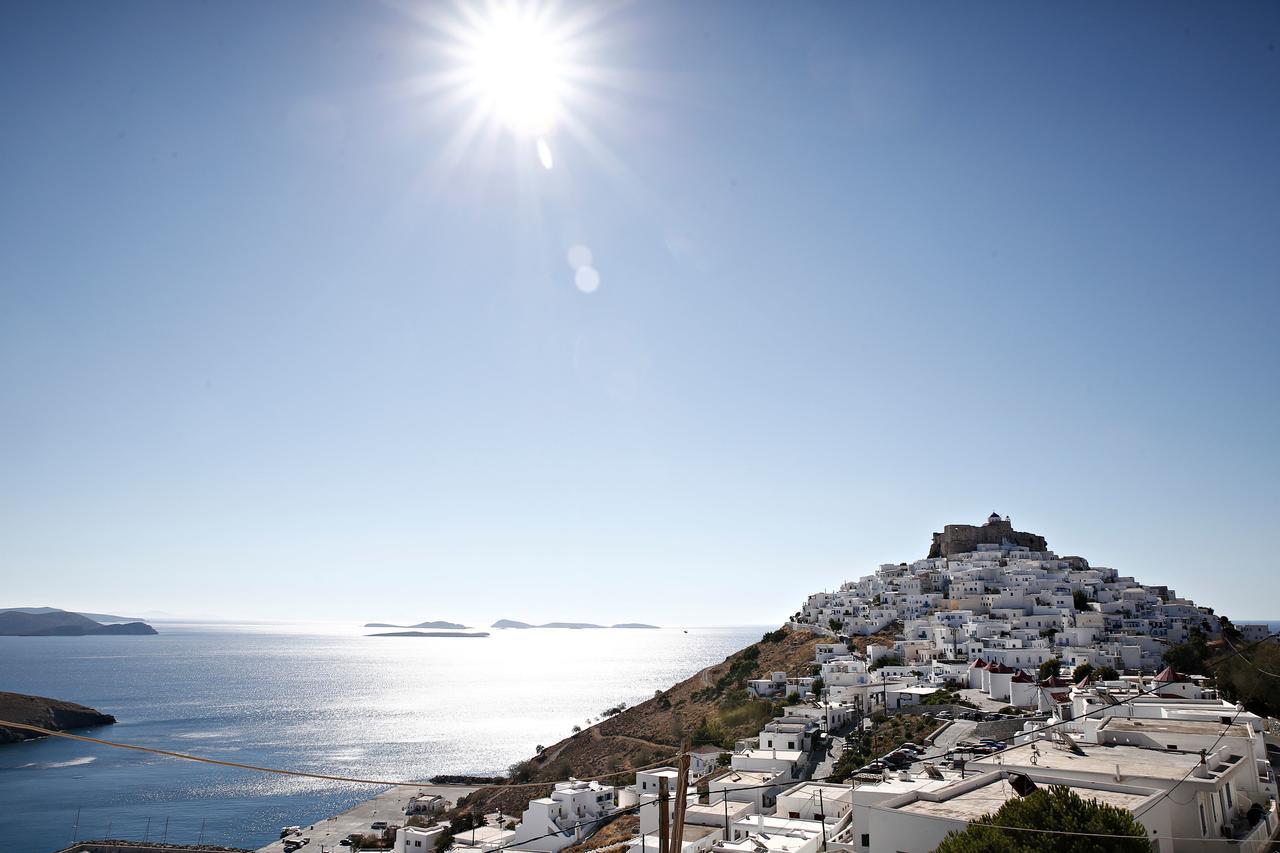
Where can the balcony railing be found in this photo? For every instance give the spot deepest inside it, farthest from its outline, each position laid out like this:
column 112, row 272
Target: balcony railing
column 1257, row 839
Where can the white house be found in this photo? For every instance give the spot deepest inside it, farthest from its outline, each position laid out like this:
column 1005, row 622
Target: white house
column 567, row 816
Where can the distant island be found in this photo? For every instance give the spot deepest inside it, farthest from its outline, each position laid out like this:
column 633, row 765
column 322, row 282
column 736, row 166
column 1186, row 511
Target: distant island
column 97, row 617
column 463, row 634
column 51, row 622
column 512, row 623
column 439, row 626
column 46, row 713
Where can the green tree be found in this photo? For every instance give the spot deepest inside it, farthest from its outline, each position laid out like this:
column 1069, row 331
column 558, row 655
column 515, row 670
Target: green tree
column 1190, row 657
column 1056, row 808
column 1081, row 672
column 709, row 731
column 1081, row 600
column 1105, row 673
column 522, row 771
column 817, row 686
column 444, row 841
column 1049, row 668
column 1241, row 681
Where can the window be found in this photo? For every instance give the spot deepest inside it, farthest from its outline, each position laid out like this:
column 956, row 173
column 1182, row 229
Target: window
column 1230, row 803
column 866, row 840
column 1204, row 827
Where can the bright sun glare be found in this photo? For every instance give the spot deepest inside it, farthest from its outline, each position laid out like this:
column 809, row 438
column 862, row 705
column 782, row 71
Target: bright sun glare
column 515, row 67
column 527, row 70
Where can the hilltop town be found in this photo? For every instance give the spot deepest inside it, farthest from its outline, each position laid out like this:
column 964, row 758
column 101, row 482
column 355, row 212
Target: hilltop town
column 904, row 706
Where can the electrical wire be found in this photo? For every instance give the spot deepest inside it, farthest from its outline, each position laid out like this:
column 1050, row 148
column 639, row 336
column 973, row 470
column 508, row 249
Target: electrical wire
column 185, row 756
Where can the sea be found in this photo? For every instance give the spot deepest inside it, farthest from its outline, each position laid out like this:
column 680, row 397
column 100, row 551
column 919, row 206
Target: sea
column 320, row 698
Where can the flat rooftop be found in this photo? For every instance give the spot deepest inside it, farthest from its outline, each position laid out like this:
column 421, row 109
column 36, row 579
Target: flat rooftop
column 973, row 804
column 690, row 834
column 815, row 786
column 1181, row 727
column 744, row 777
column 894, row 786
column 1132, row 761
column 714, row 812
column 780, row 754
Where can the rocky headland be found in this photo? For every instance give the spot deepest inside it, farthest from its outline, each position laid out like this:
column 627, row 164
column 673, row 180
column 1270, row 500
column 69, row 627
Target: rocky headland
column 54, row 714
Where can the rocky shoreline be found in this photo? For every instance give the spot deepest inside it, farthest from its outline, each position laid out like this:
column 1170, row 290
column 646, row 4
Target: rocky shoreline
column 54, row 714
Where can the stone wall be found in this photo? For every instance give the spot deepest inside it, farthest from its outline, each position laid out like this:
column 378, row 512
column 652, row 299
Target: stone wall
column 960, row 538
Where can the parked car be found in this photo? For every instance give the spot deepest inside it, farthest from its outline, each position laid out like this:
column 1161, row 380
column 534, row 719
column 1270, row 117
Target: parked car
column 378, row 824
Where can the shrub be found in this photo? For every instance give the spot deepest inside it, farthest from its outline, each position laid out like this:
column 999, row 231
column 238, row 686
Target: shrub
column 1056, row 808
column 521, row 771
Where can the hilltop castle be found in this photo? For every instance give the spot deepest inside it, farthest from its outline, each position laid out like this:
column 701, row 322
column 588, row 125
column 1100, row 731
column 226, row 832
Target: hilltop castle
column 963, row 538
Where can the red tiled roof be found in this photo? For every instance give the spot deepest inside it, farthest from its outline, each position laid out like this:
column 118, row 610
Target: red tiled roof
column 1168, row 675
column 999, row 669
column 979, row 664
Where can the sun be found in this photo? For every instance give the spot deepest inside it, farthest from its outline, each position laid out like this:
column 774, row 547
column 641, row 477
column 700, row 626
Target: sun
column 515, row 67
column 525, row 76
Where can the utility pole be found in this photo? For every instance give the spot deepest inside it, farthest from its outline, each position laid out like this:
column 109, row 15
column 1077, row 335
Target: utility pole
column 664, row 816
column 146, row 834
column 822, row 812
column 725, row 792
column 75, row 830
column 200, row 840
column 682, row 803
column 165, row 837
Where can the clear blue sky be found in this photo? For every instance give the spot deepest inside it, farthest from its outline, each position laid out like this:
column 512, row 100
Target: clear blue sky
column 267, row 342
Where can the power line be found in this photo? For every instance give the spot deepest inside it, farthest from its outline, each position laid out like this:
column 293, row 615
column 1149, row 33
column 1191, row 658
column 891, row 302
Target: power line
column 1110, row 835
column 185, row 756
column 1247, row 660
column 1128, row 700
column 1169, row 791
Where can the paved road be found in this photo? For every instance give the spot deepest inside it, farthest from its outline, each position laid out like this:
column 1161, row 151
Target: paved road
column 325, row 835
column 956, row 732
column 828, row 761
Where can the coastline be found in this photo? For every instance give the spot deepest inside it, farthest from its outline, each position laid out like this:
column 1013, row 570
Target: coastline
column 388, row 805
column 398, row 708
